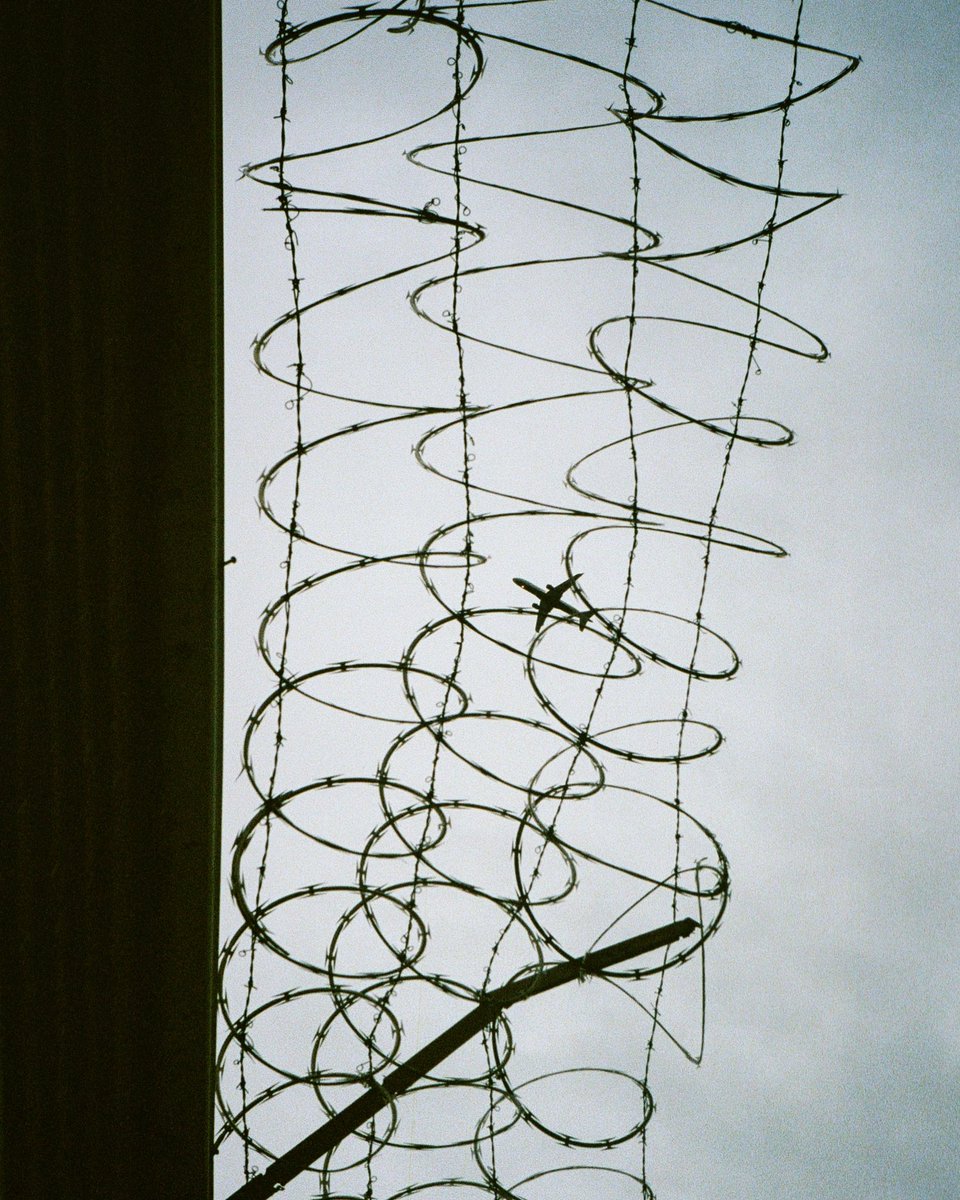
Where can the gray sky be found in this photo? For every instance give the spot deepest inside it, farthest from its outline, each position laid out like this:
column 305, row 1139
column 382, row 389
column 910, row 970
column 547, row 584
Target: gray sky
column 832, row 1044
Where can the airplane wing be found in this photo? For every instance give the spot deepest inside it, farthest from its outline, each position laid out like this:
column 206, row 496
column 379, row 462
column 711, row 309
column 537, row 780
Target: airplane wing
column 550, row 598
column 554, row 593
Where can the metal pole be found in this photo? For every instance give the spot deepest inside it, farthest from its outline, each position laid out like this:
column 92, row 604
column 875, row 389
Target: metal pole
column 379, row 1094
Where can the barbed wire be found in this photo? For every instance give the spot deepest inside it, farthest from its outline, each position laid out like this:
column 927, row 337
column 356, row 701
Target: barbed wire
column 500, row 819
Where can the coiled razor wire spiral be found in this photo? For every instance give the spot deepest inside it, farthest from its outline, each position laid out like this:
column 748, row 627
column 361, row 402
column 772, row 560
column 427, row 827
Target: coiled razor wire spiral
column 447, row 796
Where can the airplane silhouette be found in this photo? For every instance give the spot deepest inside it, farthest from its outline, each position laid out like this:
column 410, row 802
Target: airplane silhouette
column 548, row 598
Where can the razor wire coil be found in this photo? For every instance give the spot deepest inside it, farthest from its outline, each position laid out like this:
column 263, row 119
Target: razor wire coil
column 401, row 884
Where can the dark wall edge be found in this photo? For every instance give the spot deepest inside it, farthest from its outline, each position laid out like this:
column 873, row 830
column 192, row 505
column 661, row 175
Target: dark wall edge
column 111, row 401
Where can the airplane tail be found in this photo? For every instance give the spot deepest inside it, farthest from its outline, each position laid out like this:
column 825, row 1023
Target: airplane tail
column 585, row 617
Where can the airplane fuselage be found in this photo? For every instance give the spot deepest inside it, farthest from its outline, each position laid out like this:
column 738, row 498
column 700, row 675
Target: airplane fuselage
column 541, row 593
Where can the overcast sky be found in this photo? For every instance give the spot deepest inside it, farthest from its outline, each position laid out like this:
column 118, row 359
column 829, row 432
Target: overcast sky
column 832, row 1031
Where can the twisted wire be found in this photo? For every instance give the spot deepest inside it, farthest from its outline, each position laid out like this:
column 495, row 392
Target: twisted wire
column 448, row 796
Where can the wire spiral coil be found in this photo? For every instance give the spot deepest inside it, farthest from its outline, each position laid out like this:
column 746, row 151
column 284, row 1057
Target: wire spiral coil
column 452, row 796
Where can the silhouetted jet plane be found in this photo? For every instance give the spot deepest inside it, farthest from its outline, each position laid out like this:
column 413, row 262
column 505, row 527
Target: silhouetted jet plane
column 548, row 598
